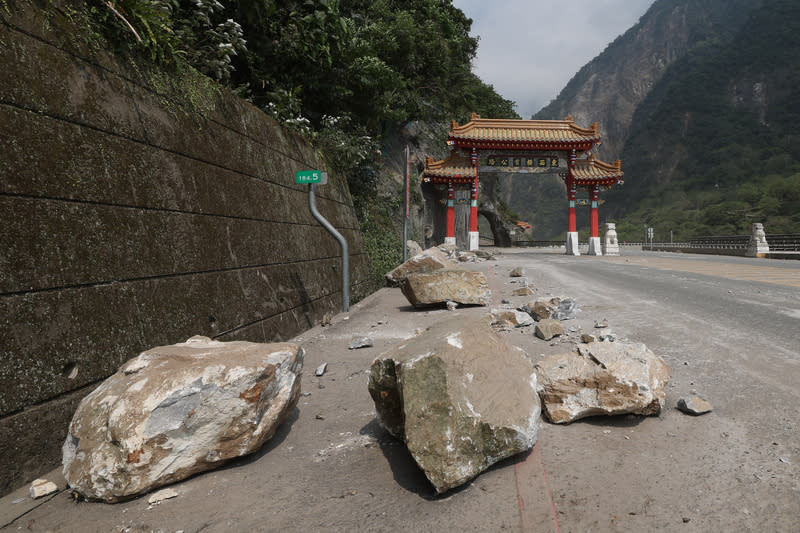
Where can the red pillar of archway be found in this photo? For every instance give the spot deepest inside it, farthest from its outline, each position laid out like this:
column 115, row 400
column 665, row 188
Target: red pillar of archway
column 594, row 238
column 450, row 237
column 572, row 230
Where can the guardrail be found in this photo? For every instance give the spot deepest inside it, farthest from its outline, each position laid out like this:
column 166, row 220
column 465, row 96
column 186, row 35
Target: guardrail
column 781, row 246
column 783, row 242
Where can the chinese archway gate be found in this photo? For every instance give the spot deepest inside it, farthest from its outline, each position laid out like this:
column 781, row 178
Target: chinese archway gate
column 526, row 147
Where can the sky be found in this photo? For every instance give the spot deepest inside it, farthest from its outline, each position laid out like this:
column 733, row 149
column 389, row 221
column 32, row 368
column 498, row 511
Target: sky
column 529, row 49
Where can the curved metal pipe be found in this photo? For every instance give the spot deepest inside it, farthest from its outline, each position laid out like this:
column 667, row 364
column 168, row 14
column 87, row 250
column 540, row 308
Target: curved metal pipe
column 312, row 204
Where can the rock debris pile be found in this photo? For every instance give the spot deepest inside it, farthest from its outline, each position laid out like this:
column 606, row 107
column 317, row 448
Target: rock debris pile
column 458, row 395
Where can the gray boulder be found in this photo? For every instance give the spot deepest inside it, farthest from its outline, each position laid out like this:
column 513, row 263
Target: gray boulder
column 177, row 410
column 440, row 286
column 459, row 397
column 602, row 379
column 428, row 260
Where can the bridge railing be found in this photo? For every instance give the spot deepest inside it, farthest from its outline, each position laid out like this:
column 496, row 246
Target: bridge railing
column 781, row 246
column 784, row 242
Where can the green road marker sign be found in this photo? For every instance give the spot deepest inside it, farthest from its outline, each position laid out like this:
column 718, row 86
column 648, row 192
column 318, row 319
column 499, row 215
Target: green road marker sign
column 311, row 176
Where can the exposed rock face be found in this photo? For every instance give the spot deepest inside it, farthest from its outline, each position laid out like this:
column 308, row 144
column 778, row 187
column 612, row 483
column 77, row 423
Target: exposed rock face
column 459, row 397
column 429, row 260
column 602, row 379
column 439, row 286
column 177, row 410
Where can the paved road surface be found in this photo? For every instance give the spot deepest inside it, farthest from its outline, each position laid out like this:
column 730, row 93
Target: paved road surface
column 729, row 328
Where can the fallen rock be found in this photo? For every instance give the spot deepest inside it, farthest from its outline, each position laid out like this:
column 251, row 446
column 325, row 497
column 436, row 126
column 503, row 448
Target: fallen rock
column 517, row 272
column 523, row 291
column 160, row 496
column 177, row 410
column 566, row 310
column 465, row 257
column 361, row 342
column 487, row 256
column 601, row 324
column 608, row 337
column 429, row 260
column 459, row 397
column 41, row 488
column 413, row 248
column 440, row 286
column 321, row 369
column 694, row 406
column 548, row 328
column 512, row 317
column 602, row 379
column 542, row 308
column 586, row 338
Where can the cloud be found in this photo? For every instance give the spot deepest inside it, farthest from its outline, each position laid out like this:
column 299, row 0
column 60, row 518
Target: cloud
column 529, row 49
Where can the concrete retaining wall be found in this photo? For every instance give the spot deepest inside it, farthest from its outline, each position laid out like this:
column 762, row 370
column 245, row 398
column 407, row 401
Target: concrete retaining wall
column 138, row 211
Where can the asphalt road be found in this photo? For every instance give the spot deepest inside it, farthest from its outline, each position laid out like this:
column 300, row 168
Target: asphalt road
column 729, row 329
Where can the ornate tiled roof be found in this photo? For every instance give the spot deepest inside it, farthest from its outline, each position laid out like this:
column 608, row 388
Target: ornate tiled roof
column 592, row 171
column 456, row 168
column 505, row 132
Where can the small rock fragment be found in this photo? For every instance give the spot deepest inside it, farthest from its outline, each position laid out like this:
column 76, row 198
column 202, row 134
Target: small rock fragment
column 587, row 338
column 566, row 310
column 548, row 328
column 517, row 272
column 512, row 317
column 451, row 306
column 361, row 342
column 164, row 494
column 542, row 308
column 601, row 324
column 523, row 291
column 608, row 337
column 321, row 369
column 694, row 406
column 42, row 487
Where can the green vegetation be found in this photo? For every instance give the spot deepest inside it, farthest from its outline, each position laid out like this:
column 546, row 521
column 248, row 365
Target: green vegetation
column 715, row 146
column 342, row 72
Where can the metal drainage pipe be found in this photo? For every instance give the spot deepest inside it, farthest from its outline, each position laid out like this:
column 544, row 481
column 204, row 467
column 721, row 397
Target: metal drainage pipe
column 312, row 204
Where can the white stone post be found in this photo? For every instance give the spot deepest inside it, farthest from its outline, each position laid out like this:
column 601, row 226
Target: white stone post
column 610, row 244
column 757, row 247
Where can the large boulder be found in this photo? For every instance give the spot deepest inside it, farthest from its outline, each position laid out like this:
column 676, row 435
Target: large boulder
column 459, row 397
column 177, row 410
column 428, row 260
column 602, row 378
column 439, row 286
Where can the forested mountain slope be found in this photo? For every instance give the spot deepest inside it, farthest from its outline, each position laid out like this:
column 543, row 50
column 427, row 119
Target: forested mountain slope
column 698, row 100
column 715, row 145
